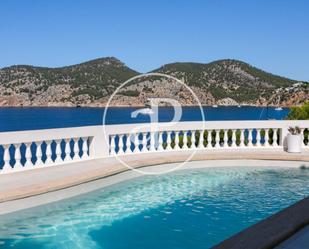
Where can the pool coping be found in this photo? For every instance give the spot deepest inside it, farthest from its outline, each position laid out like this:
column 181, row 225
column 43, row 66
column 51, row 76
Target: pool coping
column 273, row 231
column 34, row 182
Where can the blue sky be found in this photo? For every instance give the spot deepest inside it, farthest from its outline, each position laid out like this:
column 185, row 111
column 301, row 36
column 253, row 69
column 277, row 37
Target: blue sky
column 270, row 34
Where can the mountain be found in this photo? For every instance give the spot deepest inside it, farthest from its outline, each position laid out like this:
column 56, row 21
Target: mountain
column 91, row 83
column 227, row 79
column 77, row 84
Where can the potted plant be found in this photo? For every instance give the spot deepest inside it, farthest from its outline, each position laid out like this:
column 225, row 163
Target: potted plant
column 294, row 140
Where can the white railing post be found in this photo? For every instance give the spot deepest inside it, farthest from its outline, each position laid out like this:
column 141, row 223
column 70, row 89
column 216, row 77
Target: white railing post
column 136, row 149
column 39, row 154
column 177, row 147
column 28, row 156
column 185, row 140
column 48, row 153
column 242, row 137
column 201, row 140
column 217, row 139
column 258, row 138
column 85, row 148
column 302, row 132
column 76, row 149
column 67, row 150
column 168, row 141
column 144, row 142
column 193, row 139
column 120, row 144
column 250, row 144
column 152, row 141
column 112, row 145
column 266, row 138
column 160, row 145
column 18, row 164
column 274, row 138
column 128, row 144
column 209, row 139
column 58, row 151
column 6, row 158
column 234, row 144
column 225, row 138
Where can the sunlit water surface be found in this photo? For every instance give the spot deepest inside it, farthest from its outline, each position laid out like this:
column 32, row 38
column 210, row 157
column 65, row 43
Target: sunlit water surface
column 185, row 209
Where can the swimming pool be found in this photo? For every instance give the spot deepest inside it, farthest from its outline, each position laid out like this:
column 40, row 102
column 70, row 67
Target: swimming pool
column 193, row 208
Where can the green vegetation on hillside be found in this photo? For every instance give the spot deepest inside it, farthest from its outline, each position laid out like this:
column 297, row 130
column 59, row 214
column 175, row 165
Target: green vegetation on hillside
column 130, row 93
column 299, row 112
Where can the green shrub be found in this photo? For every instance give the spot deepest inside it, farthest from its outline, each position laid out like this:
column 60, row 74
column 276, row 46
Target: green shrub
column 130, row 93
column 299, row 112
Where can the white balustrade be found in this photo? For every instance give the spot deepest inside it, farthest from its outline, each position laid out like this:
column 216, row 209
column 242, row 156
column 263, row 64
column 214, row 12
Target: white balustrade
column 38, row 148
column 24, row 150
column 219, row 135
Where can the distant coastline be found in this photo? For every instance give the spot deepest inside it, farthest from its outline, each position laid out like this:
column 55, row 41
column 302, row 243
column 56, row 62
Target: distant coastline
column 132, row 106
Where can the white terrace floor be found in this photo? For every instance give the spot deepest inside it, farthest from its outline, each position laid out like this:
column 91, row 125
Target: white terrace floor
column 39, row 181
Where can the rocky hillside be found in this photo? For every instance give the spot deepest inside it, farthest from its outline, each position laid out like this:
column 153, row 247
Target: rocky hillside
column 227, row 82
column 83, row 84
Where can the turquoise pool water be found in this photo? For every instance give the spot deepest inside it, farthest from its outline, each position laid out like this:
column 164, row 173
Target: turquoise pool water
column 184, row 210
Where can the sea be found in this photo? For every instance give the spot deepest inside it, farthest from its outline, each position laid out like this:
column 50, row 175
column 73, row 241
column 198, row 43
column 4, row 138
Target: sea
column 33, row 118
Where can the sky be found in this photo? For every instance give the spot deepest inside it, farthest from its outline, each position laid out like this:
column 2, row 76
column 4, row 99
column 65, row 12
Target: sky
column 270, row 34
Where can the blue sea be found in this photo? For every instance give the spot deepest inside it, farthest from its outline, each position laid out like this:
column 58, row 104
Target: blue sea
column 16, row 119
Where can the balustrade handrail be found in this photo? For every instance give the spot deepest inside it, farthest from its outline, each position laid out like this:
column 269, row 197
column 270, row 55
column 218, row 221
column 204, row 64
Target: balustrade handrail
column 12, row 137
column 196, row 125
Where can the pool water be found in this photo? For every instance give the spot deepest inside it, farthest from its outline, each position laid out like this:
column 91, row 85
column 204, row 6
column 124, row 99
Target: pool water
column 187, row 209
